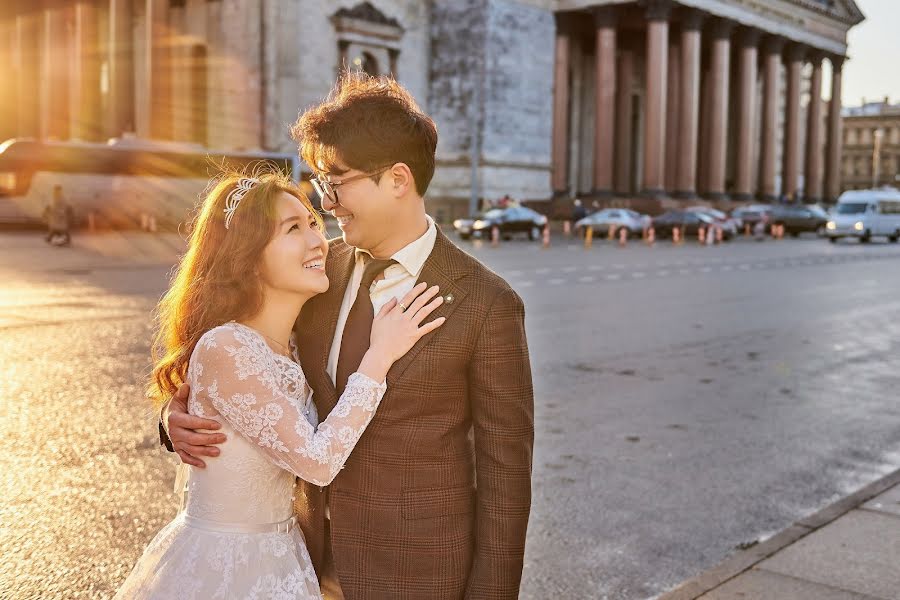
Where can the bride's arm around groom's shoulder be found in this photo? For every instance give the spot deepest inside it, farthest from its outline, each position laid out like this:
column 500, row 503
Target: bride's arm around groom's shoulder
column 502, row 401
column 235, row 377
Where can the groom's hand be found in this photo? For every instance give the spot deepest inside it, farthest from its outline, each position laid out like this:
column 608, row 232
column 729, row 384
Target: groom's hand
column 188, row 443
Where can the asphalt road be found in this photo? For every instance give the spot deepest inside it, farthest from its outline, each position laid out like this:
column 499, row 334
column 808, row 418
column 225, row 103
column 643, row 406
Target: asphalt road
column 689, row 400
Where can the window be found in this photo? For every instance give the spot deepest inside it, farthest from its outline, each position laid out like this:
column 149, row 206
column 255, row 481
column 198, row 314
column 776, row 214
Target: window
column 370, row 64
column 890, row 207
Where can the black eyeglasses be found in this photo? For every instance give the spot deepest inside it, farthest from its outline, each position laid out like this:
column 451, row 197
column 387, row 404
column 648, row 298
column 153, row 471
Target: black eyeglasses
column 328, row 189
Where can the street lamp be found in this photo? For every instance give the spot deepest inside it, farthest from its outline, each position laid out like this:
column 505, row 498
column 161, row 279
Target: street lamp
column 876, row 157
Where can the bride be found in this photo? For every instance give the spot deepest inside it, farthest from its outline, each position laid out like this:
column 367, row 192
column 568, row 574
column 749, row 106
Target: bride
column 256, row 255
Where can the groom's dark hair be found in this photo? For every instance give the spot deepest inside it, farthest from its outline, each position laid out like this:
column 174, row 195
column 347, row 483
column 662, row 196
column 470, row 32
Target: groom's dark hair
column 368, row 123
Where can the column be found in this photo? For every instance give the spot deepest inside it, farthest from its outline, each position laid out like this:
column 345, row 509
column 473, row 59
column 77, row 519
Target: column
column 85, row 101
column 54, row 76
column 673, row 98
column 160, row 39
column 718, row 133
column 688, row 116
column 623, row 121
column 142, row 14
column 121, row 69
column 153, row 94
column 791, row 168
column 393, row 55
column 27, row 59
column 833, row 167
column 655, row 116
column 813, row 171
column 560, row 112
column 9, row 99
column 772, row 60
column 605, row 97
column 243, row 74
column 576, row 136
column 746, row 134
column 705, row 113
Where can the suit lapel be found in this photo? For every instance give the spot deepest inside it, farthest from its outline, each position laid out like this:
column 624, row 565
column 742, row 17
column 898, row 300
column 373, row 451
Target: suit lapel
column 442, row 270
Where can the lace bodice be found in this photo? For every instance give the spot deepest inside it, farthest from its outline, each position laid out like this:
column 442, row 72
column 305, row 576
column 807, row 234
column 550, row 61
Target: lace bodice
column 266, row 410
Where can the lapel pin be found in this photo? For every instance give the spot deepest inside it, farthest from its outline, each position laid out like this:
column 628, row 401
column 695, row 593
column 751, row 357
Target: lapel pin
column 448, row 298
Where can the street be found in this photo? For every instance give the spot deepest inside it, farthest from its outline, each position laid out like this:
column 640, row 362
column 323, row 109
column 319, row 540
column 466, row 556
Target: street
column 689, row 401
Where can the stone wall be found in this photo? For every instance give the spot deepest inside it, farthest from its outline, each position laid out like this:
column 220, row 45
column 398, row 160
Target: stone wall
column 307, row 57
column 491, row 72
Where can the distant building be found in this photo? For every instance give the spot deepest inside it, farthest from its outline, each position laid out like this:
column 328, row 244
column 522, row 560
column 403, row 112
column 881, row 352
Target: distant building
column 863, row 126
column 696, row 97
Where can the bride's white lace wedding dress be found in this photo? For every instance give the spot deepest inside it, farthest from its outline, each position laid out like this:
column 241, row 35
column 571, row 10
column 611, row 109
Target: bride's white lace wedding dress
column 235, row 537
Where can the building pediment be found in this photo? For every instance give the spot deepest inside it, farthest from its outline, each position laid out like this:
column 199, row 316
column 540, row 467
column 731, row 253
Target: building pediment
column 366, row 11
column 844, row 10
column 365, row 19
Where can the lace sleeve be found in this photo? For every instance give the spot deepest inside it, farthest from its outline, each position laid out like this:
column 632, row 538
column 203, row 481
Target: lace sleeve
column 240, row 378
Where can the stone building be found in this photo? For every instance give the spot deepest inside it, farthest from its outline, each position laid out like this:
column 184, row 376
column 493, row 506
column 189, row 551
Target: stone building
column 693, row 100
column 695, row 97
column 871, row 145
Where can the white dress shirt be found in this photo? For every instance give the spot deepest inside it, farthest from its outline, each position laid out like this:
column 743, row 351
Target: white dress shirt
column 398, row 280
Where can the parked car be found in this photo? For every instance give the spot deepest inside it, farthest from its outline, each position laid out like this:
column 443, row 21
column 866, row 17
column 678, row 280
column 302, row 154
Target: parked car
column 752, row 214
column 509, row 221
column 864, row 214
column 616, row 218
column 730, row 224
column 689, row 222
column 800, row 218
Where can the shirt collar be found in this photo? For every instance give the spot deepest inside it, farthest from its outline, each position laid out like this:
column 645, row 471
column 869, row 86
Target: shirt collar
column 412, row 257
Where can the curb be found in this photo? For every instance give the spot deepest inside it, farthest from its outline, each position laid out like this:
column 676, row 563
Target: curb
column 744, row 560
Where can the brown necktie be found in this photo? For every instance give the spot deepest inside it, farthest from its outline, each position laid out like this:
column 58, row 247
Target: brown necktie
column 358, row 329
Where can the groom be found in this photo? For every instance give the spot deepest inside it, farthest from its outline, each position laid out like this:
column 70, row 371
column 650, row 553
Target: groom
column 433, row 503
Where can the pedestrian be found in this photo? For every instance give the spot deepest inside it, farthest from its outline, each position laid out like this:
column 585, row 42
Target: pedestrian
column 578, row 211
column 58, row 216
column 759, row 229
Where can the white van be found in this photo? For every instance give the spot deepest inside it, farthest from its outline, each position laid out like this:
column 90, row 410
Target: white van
column 864, row 214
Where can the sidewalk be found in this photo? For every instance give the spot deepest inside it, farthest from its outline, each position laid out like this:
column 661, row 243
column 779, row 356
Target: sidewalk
column 107, row 249
column 847, row 551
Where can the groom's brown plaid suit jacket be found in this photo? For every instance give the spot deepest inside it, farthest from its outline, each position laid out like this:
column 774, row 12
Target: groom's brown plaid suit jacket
column 433, row 502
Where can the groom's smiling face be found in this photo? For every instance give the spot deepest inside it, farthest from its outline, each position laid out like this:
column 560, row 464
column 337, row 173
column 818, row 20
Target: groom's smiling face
column 365, row 205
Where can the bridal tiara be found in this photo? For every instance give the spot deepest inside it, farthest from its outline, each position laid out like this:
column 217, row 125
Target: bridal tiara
column 244, row 185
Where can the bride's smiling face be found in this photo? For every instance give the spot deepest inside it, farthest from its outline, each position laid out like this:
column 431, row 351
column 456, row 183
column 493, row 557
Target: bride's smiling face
column 294, row 259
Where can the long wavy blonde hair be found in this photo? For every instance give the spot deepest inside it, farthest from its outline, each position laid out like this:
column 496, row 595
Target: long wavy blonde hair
column 217, row 280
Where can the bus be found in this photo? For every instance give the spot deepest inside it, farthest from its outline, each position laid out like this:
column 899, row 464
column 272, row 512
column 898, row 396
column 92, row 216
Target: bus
column 120, row 183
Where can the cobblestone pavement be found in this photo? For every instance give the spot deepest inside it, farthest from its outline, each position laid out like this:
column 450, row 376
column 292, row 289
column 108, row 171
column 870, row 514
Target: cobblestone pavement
column 689, row 400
